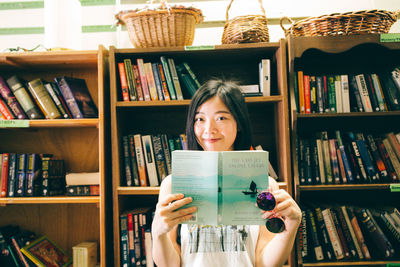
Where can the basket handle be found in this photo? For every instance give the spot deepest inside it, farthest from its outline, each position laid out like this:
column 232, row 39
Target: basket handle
column 288, row 30
column 229, row 6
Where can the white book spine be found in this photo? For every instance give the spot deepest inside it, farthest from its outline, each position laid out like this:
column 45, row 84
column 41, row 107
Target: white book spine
column 148, row 69
column 352, row 233
column 338, row 95
column 362, row 88
column 333, row 236
column 150, row 160
column 265, row 79
column 344, row 80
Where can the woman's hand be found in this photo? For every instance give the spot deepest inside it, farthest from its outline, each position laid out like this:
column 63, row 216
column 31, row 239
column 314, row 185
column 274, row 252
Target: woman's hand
column 168, row 215
column 286, row 208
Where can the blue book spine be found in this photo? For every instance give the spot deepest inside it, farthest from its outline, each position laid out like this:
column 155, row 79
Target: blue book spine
column 21, row 175
column 346, row 164
column 124, row 241
column 369, row 167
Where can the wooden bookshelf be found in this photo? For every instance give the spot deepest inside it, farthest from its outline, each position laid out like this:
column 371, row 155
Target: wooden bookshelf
column 83, row 144
column 269, row 115
column 322, row 55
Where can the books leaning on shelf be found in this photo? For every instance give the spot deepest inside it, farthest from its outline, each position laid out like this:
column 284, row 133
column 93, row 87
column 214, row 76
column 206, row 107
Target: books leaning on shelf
column 83, row 184
column 364, row 92
column 348, row 158
column 147, row 158
column 38, row 99
column 224, row 185
column 341, row 232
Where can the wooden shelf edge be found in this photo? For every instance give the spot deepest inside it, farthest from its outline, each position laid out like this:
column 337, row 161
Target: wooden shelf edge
column 348, row 114
column 350, row 263
column 125, row 190
column 50, row 200
column 343, row 187
column 186, row 102
column 53, row 123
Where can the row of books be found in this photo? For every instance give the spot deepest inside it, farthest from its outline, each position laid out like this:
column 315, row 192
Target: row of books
column 147, row 158
column 347, row 93
column 338, row 158
column 23, row 248
column 146, row 81
column 66, row 97
column 335, row 233
column 135, row 238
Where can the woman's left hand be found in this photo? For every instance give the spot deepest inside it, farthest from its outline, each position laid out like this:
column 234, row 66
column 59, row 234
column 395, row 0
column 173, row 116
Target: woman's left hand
column 286, row 208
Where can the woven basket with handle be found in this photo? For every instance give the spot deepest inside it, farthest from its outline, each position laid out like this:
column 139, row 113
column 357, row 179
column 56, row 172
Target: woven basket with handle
column 245, row 29
column 360, row 22
column 163, row 27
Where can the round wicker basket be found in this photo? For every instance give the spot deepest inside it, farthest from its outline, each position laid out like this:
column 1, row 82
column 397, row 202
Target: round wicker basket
column 172, row 26
column 245, row 29
column 360, row 22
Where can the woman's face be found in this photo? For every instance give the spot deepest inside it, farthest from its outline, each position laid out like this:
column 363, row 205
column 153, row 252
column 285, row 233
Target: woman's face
column 215, row 127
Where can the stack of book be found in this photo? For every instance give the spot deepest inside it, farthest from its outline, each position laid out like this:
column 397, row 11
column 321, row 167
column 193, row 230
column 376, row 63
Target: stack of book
column 334, row 233
column 135, row 237
column 341, row 93
column 66, row 97
column 83, row 184
column 23, row 248
column 31, row 174
column 349, row 158
column 147, row 158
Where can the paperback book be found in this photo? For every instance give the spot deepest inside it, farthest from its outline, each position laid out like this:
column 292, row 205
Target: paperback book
column 224, row 185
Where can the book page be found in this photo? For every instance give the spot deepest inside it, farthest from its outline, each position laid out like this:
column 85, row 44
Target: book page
column 244, row 176
column 195, row 174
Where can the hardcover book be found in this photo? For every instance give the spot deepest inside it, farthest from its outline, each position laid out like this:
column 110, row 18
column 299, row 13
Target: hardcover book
column 11, row 100
column 44, row 253
column 223, row 185
column 77, row 96
column 43, row 99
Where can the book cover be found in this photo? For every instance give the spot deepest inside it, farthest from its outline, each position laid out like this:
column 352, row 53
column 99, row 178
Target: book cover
column 123, row 81
column 313, row 94
column 317, row 247
column 192, row 75
column 141, row 164
column 358, row 107
column 124, row 239
column 265, row 77
column 82, row 178
column 150, row 160
column 85, row 254
column 392, row 95
column 157, row 80
column 23, row 97
column 12, row 174
column 386, row 160
column 20, row 184
column 132, row 155
column 223, row 185
column 138, row 83
column 163, row 82
column 331, row 93
column 338, row 94
column 159, row 157
column 77, row 96
column 143, row 79
column 130, row 79
column 320, row 94
column 344, row 82
column 148, row 70
column 61, row 98
column 372, row 92
column 340, row 232
column 379, row 93
column 300, row 84
column 168, row 78
column 43, row 99
column 11, row 100
column 4, row 175
column 363, row 90
column 33, row 174
column 45, row 253
column 127, row 162
column 333, row 235
column 175, row 78
column 324, row 236
column 307, row 97
column 52, row 90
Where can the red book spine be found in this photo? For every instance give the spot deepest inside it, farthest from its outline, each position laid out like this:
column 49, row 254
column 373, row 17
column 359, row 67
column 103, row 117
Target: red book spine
column 5, row 111
column 124, row 85
column 4, row 175
column 307, row 97
column 164, row 83
column 138, row 83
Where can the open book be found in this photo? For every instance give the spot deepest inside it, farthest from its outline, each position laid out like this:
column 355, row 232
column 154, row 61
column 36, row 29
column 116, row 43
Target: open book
column 224, row 185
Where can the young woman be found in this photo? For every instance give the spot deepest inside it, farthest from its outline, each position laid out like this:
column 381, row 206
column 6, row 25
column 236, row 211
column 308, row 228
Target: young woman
column 218, row 120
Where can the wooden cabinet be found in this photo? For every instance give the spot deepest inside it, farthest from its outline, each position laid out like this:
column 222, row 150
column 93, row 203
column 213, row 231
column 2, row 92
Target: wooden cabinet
column 269, row 115
column 352, row 54
column 81, row 143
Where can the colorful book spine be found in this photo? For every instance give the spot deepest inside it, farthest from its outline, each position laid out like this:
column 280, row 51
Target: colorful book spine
column 300, row 84
column 50, row 89
column 150, row 160
column 20, row 185
column 4, row 175
column 148, row 69
column 43, row 99
column 12, row 174
column 168, row 77
column 175, row 79
column 307, row 99
column 5, row 110
column 11, row 100
column 138, row 83
column 123, row 81
column 130, row 79
column 140, row 160
column 157, row 80
column 163, row 83
column 24, row 98
column 143, row 80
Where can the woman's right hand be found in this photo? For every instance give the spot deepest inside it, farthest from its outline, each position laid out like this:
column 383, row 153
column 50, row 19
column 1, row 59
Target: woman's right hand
column 168, row 213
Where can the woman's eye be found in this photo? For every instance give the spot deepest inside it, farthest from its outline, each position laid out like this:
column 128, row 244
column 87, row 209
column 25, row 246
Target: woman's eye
column 221, row 118
column 198, row 119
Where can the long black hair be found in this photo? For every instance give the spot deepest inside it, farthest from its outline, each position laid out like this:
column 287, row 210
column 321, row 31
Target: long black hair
column 230, row 94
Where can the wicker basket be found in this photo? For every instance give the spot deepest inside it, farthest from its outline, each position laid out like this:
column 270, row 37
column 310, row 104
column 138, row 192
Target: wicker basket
column 163, row 27
column 361, row 22
column 245, row 29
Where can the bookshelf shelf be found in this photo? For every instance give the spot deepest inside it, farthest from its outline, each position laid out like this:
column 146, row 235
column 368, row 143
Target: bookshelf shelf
column 269, row 115
column 50, row 200
column 324, row 56
column 83, row 144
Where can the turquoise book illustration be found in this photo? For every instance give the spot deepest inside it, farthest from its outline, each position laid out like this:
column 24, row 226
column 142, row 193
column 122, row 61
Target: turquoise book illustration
column 224, row 185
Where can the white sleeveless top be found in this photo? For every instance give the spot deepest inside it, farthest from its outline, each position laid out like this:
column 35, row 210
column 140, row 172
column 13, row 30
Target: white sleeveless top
column 218, row 245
